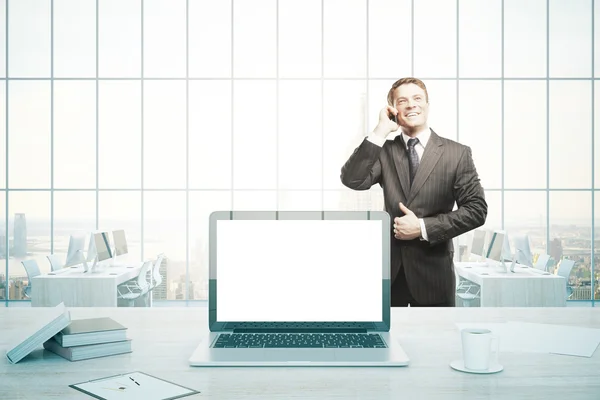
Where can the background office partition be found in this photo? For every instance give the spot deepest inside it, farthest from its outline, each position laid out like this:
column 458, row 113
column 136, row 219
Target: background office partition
column 148, row 115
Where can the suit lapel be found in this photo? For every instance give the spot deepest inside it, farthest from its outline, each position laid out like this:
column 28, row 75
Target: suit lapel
column 431, row 156
column 401, row 164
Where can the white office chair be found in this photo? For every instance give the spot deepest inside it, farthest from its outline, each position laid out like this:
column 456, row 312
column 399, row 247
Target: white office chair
column 542, row 262
column 56, row 262
column 466, row 291
column 33, row 270
column 564, row 269
column 130, row 292
column 156, row 276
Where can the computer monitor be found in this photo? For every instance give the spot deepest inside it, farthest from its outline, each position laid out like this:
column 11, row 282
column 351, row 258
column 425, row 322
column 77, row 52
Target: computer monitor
column 92, row 252
column 478, row 242
column 523, row 253
column 496, row 248
column 120, row 242
column 75, row 252
column 499, row 249
column 102, row 243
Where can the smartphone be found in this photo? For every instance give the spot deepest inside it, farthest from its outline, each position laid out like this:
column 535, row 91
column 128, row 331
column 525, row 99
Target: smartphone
column 392, row 117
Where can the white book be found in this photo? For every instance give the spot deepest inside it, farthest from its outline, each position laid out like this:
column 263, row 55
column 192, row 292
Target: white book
column 34, row 335
column 76, row 353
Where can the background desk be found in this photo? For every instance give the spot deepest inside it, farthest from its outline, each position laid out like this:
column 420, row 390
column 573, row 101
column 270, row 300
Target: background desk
column 164, row 339
column 81, row 289
column 523, row 288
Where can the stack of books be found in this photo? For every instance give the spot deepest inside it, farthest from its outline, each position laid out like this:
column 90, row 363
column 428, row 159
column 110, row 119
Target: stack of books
column 90, row 338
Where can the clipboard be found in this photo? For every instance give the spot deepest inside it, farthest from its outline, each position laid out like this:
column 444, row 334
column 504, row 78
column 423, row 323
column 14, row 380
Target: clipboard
column 133, row 385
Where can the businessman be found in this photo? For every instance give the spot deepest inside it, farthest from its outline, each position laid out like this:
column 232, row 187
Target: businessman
column 422, row 176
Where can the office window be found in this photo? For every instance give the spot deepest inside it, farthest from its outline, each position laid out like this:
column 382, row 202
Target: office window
column 254, row 33
column 570, row 38
column 299, row 39
column 3, row 150
column 344, row 126
column 209, row 33
column 74, row 38
column 570, row 134
column 74, row 212
column 526, row 213
column 570, row 232
column 596, row 269
column 299, row 138
column 596, row 134
column 165, row 232
column 344, row 39
column 480, row 121
column 164, row 38
column 390, row 37
column 29, row 236
column 480, row 38
column 278, row 94
column 494, row 213
column 119, row 134
column 596, row 39
column 254, row 200
column 299, row 200
column 75, row 134
column 164, row 134
column 119, row 38
column 443, row 107
column 209, row 146
column 525, row 134
column 525, row 39
column 122, row 210
column 29, row 39
column 435, row 39
column 3, row 40
column 201, row 205
column 3, row 249
column 254, row 135
column 29, row 138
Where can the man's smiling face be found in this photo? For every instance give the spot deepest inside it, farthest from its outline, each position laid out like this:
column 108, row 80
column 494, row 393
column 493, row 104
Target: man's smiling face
column 413, row 108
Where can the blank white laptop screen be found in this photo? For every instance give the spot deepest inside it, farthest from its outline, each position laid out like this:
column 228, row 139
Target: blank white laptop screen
column 299, row 270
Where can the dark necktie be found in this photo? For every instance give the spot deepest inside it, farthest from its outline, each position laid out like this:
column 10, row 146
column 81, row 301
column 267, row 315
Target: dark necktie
column 413, row 158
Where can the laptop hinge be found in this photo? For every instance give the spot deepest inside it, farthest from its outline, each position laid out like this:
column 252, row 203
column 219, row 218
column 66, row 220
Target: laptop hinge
column 299, row 330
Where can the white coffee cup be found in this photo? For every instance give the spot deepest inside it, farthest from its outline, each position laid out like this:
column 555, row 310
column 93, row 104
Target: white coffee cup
column 477, row 348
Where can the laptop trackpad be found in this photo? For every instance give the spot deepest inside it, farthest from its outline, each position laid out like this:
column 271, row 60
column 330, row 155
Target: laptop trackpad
column 299, row 355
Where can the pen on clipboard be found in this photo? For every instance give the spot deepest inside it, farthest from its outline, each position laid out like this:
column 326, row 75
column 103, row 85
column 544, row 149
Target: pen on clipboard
column 136, row 382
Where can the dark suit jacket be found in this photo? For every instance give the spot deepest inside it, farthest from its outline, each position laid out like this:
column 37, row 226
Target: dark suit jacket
column 446, row 174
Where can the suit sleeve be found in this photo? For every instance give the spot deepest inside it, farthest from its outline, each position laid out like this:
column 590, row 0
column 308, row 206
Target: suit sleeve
column 363, row 168
column 470, row 199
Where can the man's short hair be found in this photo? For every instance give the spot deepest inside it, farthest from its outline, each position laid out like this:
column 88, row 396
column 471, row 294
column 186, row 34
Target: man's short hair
column 404, row 81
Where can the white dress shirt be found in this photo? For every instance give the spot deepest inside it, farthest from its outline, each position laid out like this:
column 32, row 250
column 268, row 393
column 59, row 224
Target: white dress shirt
column 423, row 137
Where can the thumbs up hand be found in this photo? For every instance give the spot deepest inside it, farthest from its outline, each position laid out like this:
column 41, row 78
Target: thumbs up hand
column 407, row 227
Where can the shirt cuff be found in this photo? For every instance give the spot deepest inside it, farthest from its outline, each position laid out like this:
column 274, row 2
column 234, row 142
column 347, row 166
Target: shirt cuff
column 423, row 230
column 378, row 140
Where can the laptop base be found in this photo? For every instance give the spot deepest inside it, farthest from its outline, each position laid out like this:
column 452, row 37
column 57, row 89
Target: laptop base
column 392, row 356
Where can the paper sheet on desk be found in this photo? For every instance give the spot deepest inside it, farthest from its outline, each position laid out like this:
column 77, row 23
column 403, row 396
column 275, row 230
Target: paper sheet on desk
column 133, row 385
column 525, row 337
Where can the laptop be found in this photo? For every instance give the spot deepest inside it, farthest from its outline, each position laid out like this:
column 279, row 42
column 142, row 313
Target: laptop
column 299, row 289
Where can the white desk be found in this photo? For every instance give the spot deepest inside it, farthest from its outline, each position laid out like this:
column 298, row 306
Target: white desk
column 523, row 288
column 77, row 288
column 164, row 338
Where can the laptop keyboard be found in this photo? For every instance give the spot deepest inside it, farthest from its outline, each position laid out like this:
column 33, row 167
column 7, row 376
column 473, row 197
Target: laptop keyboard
column 300, row 340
